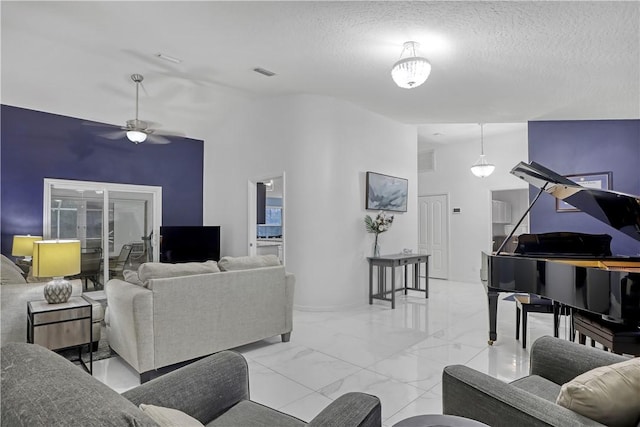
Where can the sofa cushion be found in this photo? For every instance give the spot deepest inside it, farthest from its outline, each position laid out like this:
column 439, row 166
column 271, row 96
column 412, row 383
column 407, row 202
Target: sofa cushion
column 541, row 387
column 10, row 273
column 131, row 276
column 158, row 270
column 248, row 413
column 169, row 417
column 40, row 387
column 228, row 263
column 608, row 394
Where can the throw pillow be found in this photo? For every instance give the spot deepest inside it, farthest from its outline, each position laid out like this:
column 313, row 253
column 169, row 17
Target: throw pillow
column 158, row 270
column 608, row 394
column 10, row 274
column 228, row 263
column 132, row 277
column 169, row 417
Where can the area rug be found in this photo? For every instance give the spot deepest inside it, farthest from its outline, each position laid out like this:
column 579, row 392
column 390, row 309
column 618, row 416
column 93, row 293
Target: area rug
column 103, row 352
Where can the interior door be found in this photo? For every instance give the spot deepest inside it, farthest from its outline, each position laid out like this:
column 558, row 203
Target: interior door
column 433, row 232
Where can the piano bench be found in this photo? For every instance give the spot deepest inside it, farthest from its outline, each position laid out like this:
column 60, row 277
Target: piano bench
column 526, row 304
column 616, row 337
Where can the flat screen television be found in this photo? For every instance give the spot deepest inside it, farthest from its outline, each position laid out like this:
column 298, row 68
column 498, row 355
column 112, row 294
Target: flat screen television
column 189, row 243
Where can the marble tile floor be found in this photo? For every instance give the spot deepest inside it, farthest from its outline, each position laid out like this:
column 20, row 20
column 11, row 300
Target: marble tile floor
column 397, row 355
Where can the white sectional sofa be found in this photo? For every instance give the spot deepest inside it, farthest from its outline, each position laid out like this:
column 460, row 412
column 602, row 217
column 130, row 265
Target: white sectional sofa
column 172, row 313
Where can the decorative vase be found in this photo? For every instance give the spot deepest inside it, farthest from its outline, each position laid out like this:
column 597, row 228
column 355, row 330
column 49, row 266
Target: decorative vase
column 57, row 291
column 376, row 248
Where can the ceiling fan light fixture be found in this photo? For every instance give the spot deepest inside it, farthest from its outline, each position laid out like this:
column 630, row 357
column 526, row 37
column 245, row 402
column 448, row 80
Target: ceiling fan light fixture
column 411, row 70
column 136, row 136
column 482, row 168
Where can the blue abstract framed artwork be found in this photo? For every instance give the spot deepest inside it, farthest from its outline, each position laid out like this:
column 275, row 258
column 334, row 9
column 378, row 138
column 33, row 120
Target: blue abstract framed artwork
column 386, row 193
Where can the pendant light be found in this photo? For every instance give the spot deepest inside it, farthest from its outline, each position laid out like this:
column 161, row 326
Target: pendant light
column 482, row 168
column 411, row 70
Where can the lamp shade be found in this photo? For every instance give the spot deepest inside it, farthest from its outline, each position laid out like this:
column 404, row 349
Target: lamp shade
column 56, row 258
column 23, row 245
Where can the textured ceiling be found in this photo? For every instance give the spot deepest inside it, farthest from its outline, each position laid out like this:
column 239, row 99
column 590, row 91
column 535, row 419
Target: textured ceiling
column 493, row 62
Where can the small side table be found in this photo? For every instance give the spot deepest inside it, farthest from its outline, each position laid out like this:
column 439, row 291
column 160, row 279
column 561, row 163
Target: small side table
column 62, row 326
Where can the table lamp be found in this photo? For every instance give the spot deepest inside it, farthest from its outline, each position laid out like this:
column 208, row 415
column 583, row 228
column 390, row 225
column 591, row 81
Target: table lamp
column 23, row 246
column 56, row 258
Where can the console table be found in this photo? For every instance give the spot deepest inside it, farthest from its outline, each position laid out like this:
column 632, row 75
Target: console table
column 393, row 261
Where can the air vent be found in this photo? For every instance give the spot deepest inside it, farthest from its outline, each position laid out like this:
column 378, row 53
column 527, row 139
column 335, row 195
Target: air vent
column 264, row 72
column 426, row 161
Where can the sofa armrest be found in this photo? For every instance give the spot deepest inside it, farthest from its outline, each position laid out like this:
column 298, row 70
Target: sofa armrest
column 203, row 389
column 472, row 394
column 561, row 361
column 350, row 409
column 129, row 321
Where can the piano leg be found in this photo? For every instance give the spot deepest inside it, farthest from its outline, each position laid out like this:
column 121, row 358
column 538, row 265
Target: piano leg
column 493, row 315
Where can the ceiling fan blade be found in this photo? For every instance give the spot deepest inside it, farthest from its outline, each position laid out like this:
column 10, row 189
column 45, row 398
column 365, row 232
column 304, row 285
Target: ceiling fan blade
column 152, row 138
column 164, row 132
column 116, row 134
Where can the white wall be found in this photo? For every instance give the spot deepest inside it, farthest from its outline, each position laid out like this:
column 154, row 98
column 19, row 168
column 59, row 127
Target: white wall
column 470, row 230
column 324, row 146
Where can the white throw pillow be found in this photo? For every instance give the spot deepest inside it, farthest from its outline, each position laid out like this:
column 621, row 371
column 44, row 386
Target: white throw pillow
column 608, row 394
column 131, row 276
column 169, row 417
column 228, row 263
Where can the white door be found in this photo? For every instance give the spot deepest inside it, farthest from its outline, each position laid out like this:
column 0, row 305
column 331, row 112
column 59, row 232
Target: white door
column 434, row 233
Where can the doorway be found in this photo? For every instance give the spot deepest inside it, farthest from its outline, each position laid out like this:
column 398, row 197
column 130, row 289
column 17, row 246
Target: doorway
column 507, row 207
column 109, row 220
column 433, row 233
column 266, row 229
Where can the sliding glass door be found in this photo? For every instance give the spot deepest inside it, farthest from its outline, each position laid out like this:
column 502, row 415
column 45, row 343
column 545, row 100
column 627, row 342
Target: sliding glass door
column 118, row 237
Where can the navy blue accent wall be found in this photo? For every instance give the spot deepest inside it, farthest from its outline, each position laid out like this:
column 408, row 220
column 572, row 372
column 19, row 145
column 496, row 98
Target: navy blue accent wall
column 583, row 147
column 37, row 145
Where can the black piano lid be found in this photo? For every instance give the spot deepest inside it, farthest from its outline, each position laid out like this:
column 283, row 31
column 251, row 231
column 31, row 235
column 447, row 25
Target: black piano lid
column 618, row 210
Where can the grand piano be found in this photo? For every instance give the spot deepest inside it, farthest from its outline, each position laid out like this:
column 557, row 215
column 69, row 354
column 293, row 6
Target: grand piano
column 573, row 269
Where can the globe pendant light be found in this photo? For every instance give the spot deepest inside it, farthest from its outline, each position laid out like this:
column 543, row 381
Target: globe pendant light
column 136, row 136
column 411, row 70
column 482, row 168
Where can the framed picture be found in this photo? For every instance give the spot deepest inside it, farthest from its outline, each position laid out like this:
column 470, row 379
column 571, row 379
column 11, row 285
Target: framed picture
column 386, row 193
column 601, row 181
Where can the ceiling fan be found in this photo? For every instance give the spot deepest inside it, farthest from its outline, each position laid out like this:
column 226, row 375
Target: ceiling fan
column 136, row 130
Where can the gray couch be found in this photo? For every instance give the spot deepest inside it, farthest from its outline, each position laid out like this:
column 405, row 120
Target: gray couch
column 529, row 401
column 15, row 292
column 176, row 319
column 40, row 388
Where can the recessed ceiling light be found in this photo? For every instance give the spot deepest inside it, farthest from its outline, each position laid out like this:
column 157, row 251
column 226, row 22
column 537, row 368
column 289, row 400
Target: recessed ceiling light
column 168, row 58
column 264, row 72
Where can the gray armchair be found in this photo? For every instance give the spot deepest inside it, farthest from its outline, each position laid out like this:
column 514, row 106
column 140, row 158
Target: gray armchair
column 41, row 388
column 529, row 401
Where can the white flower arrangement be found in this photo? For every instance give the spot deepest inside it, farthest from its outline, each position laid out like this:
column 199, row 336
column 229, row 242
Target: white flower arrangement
column 380, row 224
